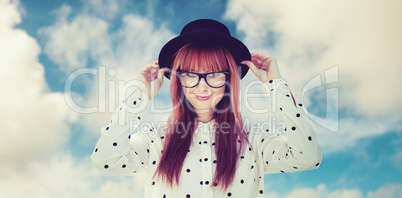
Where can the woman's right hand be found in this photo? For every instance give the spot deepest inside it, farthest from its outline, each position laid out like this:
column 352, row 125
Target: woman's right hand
column 151, row 78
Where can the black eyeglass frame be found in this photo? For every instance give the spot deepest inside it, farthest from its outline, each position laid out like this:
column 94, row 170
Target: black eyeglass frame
column 201, row 76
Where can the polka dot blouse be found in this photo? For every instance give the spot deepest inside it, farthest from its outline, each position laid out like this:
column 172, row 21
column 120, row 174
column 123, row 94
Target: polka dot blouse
column 128, row 150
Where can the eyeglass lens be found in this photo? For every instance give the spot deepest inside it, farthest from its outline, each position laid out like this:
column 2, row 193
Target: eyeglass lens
column 216, row 79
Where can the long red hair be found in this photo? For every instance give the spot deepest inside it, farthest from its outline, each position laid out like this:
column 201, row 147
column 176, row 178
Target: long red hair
column 229, row 143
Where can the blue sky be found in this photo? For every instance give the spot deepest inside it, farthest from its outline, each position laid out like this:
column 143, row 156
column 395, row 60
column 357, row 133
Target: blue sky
column 42, row 43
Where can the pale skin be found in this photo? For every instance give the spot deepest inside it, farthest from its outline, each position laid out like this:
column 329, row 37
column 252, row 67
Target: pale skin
column 264, row 67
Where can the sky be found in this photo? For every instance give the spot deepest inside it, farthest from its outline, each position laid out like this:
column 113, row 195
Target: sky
column 63, row 64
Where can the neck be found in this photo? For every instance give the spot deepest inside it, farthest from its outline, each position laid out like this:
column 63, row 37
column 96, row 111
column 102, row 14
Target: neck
column 205, row 116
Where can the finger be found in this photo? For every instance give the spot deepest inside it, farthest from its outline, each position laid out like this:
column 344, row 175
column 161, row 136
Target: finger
column 251, row 65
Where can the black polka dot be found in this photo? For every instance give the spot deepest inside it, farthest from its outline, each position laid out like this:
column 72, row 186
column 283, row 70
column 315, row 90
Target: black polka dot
column 270, row 81
column 252, row 166
column 153, row 183
column 262, row 140
column 213, row 144
column 214, row 161
column 242, row 181
column 152, row 141
column 107, row 128
column 136, row 152
column 114, row 143
column 266, row 162
column 134, row 171
column 200, row 160
column 123, row 166
column 294, row 167
column 206, row 182
column 309, row 138
column 164, row 196
column 187, row 196
column 188, row 150
column 239, row 141
column 142, row 162
column 273, row 152
column 129, row 136
column 241, row 157
column 135, row 102
column 162, row 137
column 282, row 171
column 154, row 162
column 300, row 104
column 272, row 89
column 200, row 142
column 139, row 98
column 249, row 148
column 267, row 130
column 121, row 107
column 287, row 95
column 317, row 164
column 261, row 192
column 205, row 142
column 147, row 150
column 139, row 117
column 285, row 130
column 201, row 182
column 215, row 184
column 298, row 115
column 205, row 159
column 106, row 166
column 96, row 150
column 293, row 128
column 188, row 170
column 280, row 108
column 229, row 194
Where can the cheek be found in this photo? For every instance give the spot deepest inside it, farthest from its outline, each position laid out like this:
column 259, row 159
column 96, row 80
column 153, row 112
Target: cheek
column 218, row 95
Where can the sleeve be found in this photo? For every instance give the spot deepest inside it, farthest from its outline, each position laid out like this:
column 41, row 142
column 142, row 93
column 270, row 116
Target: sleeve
column 299, row 149
column 123, row 148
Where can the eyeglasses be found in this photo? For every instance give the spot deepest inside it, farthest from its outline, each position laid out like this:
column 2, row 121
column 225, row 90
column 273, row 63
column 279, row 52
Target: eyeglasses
column 192, row 79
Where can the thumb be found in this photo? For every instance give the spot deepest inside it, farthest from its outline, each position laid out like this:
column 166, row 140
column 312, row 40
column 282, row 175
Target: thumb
column 251, row 66
column 161, row 73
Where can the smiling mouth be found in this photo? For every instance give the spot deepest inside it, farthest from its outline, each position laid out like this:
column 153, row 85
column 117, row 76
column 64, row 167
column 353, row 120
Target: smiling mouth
column 199, row 97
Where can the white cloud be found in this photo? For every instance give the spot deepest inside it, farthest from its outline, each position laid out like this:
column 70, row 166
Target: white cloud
column 104, row 8
column 34, row 120
column 63, row 175
column 72, row 44
column 353, row 129
column 322, row 192
column 313, row 36
column 387, row 191
column 74, row 40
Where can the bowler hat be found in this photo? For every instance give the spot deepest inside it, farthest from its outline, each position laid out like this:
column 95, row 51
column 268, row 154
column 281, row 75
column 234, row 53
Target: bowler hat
column 208, row 32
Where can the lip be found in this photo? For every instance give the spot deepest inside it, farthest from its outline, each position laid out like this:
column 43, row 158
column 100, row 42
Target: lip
column 202, row 97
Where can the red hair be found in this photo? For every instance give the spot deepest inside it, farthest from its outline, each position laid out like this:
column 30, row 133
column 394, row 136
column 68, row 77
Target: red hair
column 229, row 142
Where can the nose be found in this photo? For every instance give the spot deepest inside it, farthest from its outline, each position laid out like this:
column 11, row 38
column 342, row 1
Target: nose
column 202, row 85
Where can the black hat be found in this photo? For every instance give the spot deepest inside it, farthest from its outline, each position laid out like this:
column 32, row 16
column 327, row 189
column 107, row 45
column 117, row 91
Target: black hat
column 205, row 31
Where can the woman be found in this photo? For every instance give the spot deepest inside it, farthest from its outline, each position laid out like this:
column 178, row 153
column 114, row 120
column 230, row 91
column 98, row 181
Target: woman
column 205, row 151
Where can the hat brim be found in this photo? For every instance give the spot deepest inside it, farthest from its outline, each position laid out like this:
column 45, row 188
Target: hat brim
column 238, row 50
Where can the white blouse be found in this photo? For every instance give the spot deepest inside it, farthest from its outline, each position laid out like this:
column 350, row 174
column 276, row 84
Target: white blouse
column 129, row 150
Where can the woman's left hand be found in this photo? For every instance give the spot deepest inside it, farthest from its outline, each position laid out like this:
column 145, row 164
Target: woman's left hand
column 264, row 67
